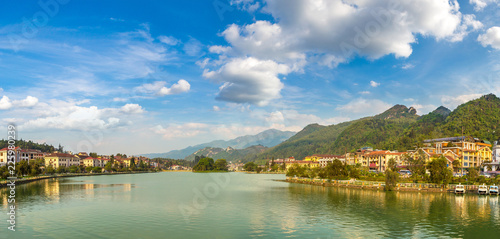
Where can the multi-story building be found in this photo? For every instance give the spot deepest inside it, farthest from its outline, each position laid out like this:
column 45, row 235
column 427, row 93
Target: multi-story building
column 31, row 154
column 61, row 160
column 471, row 152
column 4, row 155
column 324, row 159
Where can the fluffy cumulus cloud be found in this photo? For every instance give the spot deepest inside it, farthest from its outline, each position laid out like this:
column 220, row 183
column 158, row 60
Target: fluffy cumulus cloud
column 330, row 32
column 132, row 109
column 342, row 28
column 159, row 88
column 491, row 38
column 6, row 103
column 249, row 80
column 70, row 115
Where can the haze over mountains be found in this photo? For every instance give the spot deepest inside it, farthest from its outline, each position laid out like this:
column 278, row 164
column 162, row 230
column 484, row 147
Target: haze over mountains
column 266, row 138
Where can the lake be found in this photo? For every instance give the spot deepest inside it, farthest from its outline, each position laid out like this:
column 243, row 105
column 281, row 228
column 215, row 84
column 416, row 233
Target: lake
column 238, row 205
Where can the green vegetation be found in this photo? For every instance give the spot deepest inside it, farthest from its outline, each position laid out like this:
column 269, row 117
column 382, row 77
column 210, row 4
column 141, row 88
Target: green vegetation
column 32, row 145
column 398, row 128
column 208, row 165
column 439, row 172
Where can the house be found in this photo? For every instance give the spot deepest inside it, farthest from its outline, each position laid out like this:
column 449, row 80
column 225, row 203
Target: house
column 31, row 154
column 324, row 159
column 91, row 162
column 61, row 159
column 471, row 152
column 4, row 153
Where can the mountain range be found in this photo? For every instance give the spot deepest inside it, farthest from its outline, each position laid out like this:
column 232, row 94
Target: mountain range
column 398, row 128
column 268, row 138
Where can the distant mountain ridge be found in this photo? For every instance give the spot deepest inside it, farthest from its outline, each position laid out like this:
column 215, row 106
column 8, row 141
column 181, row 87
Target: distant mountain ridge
column 228, row 153
column 268, row 138
column 398, row 128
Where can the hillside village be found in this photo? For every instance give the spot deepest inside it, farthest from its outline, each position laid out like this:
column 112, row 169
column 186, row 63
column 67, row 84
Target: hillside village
column 461, row 154
column 58, row 160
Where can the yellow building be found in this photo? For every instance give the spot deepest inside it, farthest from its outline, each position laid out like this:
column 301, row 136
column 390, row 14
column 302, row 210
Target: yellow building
column 471, row 152
column 60, row 159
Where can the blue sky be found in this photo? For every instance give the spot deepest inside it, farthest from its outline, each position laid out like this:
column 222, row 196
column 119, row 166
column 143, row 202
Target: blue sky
column 152, row 76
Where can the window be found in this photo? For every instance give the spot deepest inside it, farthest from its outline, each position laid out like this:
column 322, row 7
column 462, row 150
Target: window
column 466, row 164
column 466, row 157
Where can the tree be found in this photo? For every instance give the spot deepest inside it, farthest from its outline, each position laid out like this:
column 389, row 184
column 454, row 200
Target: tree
column 88, row 169
column 109, row 166
column 205, row 164
column 35, row 168
column 250, row 166
column 221, row 165
column 472, row 175
column 391, row 179
column 416, row 165
column 61, row 169
column 97, row 169
column 439, row 170
column 132, row 162
column 392, row 164
column 50, row 170
column 73, row 169
column 456, row 164
column 335, row 169
column 93, row 155
column 22, row 168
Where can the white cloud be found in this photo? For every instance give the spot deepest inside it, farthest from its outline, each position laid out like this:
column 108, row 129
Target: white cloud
column 181, row 86
column 479, row 5
column 491, row 38
column 423, row 109
column 71, row 115
column 364, row 92
column 374, row 84
column 132, row 109
column 5, row 103
column 193, row 47
column 30, row 101
column 118, row 99
column 365, row 107
column 159, row 88
column 169, row 40
column 407, row 66
column 216, row 108
column 451, row 102
column 343, row 28
column 249, row 80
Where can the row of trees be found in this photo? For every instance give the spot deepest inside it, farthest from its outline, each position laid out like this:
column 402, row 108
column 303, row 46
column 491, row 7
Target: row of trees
column 333, row 170
column 208, row 164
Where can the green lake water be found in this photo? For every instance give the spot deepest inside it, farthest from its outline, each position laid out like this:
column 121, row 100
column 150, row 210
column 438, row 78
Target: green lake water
column 238, row 205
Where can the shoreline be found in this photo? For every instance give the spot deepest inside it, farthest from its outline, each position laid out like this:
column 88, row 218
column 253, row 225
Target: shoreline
column 380, row 186
column 5, row 183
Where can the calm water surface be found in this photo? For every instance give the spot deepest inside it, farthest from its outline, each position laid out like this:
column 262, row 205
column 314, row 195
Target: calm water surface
column 238, row 205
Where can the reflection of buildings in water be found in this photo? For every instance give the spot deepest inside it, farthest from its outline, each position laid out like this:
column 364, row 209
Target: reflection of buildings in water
column 494, row 208
column 52, row 189
column 89, row 189
column 483, row 207
column 127, row 187
column 461, row 207
column 5, row 202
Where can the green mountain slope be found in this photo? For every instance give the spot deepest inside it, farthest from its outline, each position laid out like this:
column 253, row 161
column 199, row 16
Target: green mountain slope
column 398, row 128
column 312, row 139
